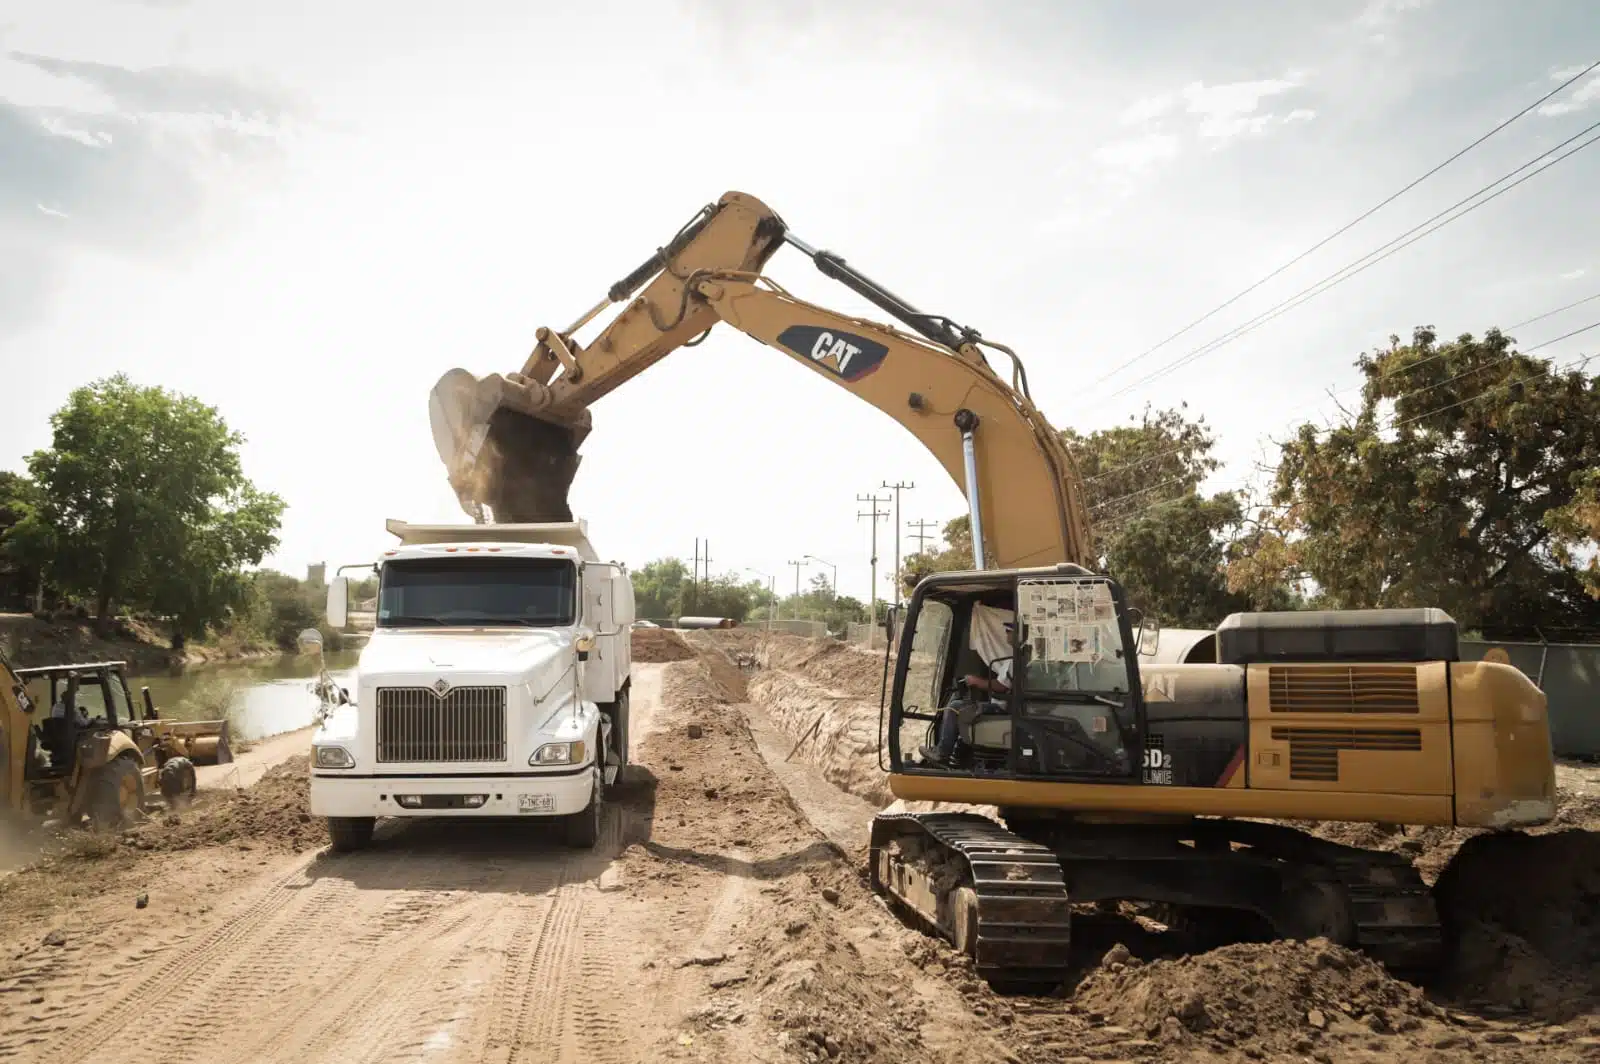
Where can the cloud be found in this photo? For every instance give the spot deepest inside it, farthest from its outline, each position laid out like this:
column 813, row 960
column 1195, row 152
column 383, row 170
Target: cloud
column 1379, row 14
column 1581, row 98
column 168, row 89
column 1198, row 112
column 1230, row 110
column 130, row 177
column 1138, row 153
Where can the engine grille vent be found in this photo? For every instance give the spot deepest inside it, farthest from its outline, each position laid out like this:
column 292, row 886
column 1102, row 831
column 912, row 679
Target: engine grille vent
column 416, row 725
column 1314, row 752
column 1343, row 689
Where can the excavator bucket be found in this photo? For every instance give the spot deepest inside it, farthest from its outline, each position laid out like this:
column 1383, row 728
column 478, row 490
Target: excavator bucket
column 504, row 447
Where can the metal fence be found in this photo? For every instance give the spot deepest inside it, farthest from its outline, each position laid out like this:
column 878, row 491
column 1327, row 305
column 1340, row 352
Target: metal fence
column 1569, row 676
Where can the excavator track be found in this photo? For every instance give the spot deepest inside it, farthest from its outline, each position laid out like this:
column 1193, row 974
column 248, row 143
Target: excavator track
column 1016, row 922
column 1396, row 920
column 1005, row 899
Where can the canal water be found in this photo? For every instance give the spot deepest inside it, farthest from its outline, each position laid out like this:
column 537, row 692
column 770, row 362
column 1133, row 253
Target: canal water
column 262, row 699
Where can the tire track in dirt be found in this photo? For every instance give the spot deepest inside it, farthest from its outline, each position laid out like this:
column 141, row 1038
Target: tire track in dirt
column 364, row 1018
column 130, row 1007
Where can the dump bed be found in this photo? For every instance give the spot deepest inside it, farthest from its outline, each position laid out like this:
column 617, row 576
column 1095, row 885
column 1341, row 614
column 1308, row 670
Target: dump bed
column 574, row 534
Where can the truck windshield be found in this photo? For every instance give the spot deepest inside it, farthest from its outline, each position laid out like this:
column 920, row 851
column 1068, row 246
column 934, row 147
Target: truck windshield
column 477, row 591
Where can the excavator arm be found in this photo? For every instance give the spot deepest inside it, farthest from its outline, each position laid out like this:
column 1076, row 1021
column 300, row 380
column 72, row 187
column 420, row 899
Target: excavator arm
column 510, row 442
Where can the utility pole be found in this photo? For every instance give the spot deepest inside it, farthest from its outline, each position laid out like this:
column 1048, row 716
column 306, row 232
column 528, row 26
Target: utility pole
column 797, row 567
column 876, row 515
column 897, row 488
column 921, row 535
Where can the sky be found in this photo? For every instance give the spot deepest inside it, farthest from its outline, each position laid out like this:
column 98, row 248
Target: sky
column 305, row 213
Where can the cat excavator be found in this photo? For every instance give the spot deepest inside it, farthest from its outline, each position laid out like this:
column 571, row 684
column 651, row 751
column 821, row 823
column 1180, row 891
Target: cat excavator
column 1179, row 788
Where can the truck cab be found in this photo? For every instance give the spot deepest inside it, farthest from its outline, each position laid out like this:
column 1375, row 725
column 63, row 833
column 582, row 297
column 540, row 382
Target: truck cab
column 495, row 683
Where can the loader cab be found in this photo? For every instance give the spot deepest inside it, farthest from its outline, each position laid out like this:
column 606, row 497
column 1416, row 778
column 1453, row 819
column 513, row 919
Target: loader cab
column 94, row 698
column 1063, row 639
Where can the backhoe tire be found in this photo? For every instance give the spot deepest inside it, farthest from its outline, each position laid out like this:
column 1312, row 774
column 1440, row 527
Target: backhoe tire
column 116, row 794
column 177, row 780
column 350, row 833
column 583, row 829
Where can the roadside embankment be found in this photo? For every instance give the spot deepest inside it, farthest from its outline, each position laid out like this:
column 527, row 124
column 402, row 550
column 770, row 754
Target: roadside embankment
column 1522, row 980
column 29, row 641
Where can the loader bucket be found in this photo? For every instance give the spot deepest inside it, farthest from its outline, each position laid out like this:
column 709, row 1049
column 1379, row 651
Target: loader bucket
column 504, row 447
column 205, row 742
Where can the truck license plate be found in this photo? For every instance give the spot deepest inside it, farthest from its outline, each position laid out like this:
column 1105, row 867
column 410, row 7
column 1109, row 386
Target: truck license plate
column 536, row 803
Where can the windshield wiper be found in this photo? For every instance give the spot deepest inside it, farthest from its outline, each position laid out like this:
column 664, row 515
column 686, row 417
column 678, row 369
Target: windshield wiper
column 410, row 622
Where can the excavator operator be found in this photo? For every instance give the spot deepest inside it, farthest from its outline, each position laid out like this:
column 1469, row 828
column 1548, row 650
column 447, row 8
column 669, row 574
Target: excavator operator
column 990, row 638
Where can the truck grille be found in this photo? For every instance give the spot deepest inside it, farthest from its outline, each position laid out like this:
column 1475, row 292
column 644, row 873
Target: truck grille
column 467, row 724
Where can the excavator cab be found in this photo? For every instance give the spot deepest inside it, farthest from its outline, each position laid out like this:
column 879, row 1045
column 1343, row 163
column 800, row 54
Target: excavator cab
column 1018, row 674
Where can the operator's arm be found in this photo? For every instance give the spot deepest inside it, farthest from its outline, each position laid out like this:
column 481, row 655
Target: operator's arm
column 937, row 384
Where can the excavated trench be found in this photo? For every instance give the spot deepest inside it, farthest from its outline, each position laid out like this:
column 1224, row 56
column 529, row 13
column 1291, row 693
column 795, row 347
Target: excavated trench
column 1524, row 949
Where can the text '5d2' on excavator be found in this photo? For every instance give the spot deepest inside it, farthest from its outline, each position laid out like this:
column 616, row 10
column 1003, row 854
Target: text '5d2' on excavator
column 1113, row 781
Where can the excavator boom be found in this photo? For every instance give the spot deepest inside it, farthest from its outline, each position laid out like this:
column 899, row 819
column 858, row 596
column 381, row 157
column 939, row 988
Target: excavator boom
column 510, row 442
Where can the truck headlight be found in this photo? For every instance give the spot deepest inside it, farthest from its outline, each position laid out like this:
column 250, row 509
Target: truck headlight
column 558, row 754
column 333, row 757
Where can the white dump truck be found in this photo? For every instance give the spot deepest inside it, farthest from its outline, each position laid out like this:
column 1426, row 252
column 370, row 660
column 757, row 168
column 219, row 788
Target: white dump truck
column 495, row 683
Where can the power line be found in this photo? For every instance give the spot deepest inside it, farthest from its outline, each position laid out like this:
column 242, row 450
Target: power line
column 1359, row 266
column 1501, row 360
column 1497, row 388
column 1348, row 226
column 1558, row 310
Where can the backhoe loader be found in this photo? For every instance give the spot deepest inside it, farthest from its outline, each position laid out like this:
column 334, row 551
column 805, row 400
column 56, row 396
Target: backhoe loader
column 1113, row 781
column 73, row 748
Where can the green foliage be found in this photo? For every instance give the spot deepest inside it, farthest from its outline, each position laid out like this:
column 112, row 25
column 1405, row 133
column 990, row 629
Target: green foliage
column 1466, row 481
column 1135, row 470
column 953, row 555
column 658, row 588
column 1163, row 541
column 18, row 575
column 141, row 501
column 664, row 589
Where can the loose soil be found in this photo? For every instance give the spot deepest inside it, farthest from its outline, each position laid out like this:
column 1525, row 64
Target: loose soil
column 713, row 922
column 1524, row 973
column 659, row 645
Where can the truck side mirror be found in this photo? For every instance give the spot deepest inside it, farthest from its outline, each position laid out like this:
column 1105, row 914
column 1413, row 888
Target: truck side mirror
column 1149, row 635
column 338, row 601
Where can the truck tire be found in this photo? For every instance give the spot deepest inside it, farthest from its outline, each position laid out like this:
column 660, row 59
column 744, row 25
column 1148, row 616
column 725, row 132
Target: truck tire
column 350, row 833
column 177, row 779
column 583, row 828
column 116, row 793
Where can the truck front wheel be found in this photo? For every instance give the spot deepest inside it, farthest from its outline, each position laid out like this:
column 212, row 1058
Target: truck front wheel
column 583, row 828
column 350, row 832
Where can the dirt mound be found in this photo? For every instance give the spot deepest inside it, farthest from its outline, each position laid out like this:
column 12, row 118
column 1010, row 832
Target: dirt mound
column 659, row 645
column 1524, row 911
column 1275, row 997
column 273, row 814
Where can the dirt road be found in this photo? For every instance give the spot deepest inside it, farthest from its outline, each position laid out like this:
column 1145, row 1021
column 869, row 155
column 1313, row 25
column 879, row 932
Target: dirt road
column 696, row 930
column 715, row 922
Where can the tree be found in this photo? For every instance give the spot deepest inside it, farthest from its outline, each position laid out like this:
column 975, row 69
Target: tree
column 1153, row 531
column 18, row 576
column 141, row 500
column 1466, row 481
column 658, row 588
column 954, row 555
column 1135, row 469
